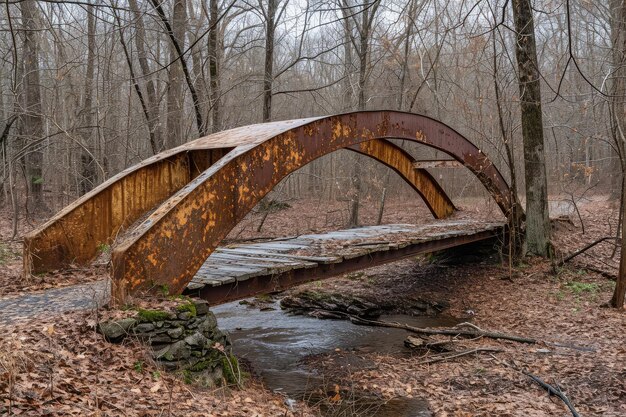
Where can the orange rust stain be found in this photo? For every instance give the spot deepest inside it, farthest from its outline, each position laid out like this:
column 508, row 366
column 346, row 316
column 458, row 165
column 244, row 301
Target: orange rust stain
column 337, row 130
column 242, row 192
column 181, row 218
column 152, row 259
column 309, row 130
column 268, row 154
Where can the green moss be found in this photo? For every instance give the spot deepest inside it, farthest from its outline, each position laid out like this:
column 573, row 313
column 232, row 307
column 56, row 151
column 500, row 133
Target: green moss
column 152, row 315
column 164, row 290
column 202, row 365
column 187, row 377
column 188, row 307
column 230, row 368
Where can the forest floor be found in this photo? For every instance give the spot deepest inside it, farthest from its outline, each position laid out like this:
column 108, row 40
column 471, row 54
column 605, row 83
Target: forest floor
column 58, row 365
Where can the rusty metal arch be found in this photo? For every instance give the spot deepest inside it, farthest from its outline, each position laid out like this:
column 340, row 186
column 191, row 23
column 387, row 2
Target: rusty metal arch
column 419, row 179
column 170, row 246
column 78, row 233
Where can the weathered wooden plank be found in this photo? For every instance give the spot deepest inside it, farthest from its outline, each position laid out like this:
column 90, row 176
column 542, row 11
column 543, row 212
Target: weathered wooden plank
column 242, row 262
column 253, row 257
column 193, row 285
column 315, row 259
column 277, row 246
column 213, row 281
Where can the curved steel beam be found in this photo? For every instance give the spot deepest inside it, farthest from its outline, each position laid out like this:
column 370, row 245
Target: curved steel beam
column 77, row 234
column 396, row 158
column 170, row 246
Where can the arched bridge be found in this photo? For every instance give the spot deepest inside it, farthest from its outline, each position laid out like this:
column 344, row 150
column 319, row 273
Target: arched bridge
column 202, row 189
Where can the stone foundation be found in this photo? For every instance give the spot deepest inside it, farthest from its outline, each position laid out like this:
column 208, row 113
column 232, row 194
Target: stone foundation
column 184, row 339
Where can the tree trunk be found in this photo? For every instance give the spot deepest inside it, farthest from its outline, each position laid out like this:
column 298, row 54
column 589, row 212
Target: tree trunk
column 32, row 119
column 89, row 176
column 347, row 101
column 408, row 36
column 152, row 104
column 214, row 47
column 175, row 92
column 537, row 220
column 268, row 74
column 620, row 285
column 364, row 38
column 618, row 40
column 367, row 15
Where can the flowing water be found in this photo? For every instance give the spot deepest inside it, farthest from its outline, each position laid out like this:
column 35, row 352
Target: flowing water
column 276, row 343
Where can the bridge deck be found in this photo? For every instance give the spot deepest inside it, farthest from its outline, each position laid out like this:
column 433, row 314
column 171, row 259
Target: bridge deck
column 239, row 271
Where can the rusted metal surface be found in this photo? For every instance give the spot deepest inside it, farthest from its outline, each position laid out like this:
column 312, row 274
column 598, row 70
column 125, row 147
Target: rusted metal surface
column 445, row 163
column 170, row 246
column 420, row 180
column 77, row 233
column 277, row 282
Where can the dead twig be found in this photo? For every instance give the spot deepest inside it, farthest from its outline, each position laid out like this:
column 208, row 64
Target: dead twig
column 586, row 248
column 457, row 331
column 552, row 390
column 453, row 355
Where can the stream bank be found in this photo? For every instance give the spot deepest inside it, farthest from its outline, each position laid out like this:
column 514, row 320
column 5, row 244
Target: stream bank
column 284, row 350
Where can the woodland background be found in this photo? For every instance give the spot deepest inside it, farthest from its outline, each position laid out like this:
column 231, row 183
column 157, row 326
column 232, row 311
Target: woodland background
column 89, row 88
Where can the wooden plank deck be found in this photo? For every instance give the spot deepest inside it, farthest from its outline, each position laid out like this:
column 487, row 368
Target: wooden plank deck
column 240, row 270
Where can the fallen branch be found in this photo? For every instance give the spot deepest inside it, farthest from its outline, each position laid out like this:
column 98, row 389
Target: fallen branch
column 552, row 390
column 453, row 355
column 586, row 248
column 457, row 331
column 605, row 274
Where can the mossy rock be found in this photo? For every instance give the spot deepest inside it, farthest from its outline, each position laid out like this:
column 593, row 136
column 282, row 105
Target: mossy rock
column 152, row 316
column 114, row 331
column 203, row 365
column 188, row 307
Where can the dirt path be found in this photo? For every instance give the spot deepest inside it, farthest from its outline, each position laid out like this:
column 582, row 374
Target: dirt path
column 15, row 309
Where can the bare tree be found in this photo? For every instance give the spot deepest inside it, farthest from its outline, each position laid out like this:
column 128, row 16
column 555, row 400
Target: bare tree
column 175, row 92
column 89, row 176
column 618, row 109
column 214, row 49
column 147, row 78
column 32, row 117
column 537, row 221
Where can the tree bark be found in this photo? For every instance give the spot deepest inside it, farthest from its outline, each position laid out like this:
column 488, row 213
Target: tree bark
column 32, row 118
column 619, row 293
column 152, row 105
column 89, row 176
column 618, row 110
column 364, row 28
column 175, row 93
column 537, row 220
column 215, row 47
column 268, row 73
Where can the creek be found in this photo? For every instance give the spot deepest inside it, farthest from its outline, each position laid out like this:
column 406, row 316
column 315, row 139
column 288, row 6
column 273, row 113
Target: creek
column 276, row 345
